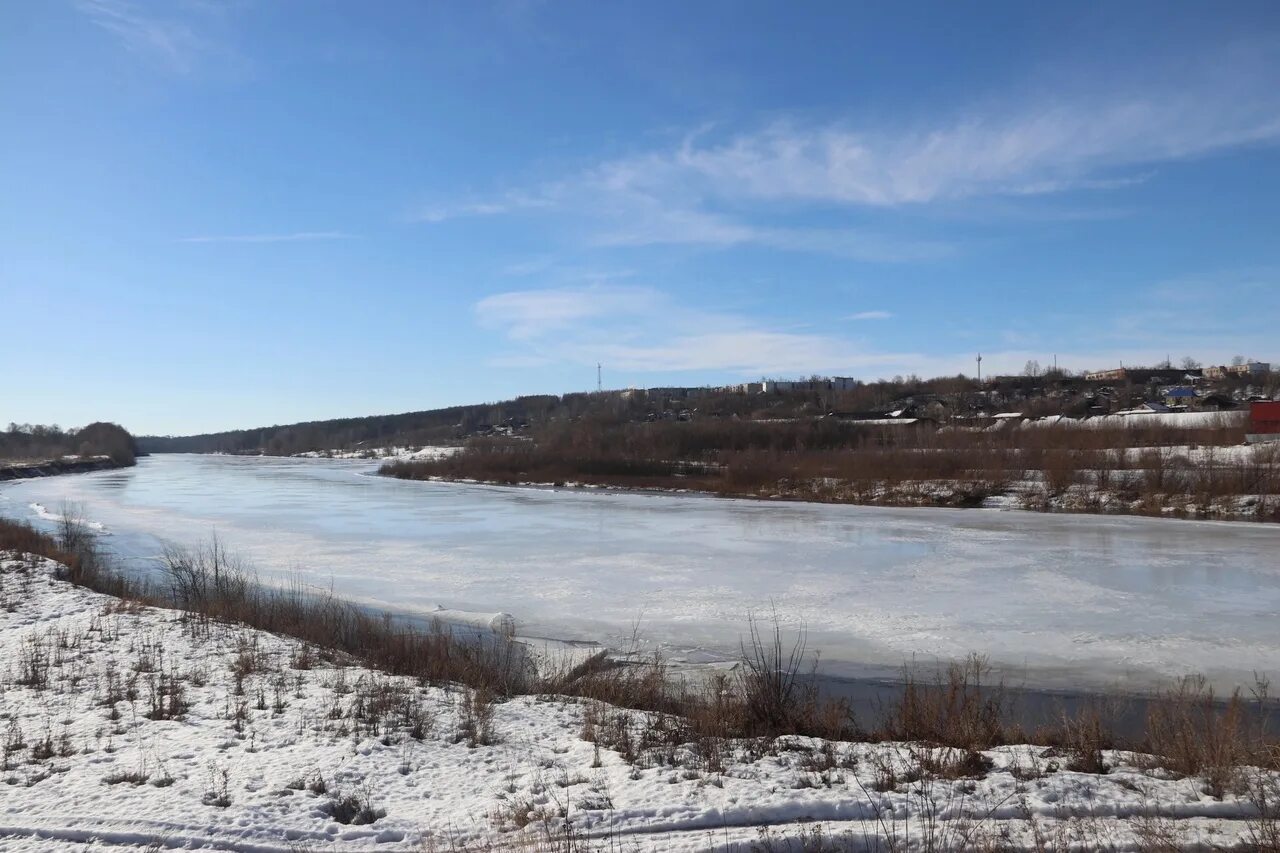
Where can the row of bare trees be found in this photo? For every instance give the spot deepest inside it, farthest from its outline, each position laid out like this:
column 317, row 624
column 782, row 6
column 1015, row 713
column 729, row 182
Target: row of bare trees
column 28, row 443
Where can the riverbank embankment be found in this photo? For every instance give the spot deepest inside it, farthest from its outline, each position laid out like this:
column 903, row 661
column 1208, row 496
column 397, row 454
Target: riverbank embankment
column 54, row 467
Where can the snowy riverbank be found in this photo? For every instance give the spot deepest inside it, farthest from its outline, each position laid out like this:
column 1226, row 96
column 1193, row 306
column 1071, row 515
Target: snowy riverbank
column 53, row 467
column 127, row 726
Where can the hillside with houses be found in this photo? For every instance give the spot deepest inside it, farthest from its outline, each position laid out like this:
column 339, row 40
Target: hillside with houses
column 958, row 402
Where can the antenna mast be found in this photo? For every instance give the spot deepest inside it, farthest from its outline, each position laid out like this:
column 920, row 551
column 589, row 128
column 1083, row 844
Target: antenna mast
column 979, row 368
column 599, row 378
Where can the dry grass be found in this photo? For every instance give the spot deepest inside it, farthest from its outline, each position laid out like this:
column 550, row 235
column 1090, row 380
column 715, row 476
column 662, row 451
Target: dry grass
column 836, row 461
column 958, row 708
column 634, row 707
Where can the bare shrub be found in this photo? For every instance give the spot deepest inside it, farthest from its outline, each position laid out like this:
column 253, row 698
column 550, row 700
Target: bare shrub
column 1085, row 737
column 354, row 809
column 131, row 777
column 957, row 708
column 167, row 696
column 475, row 718
column 769, row 678
column 1196, row 735
column 1263, row 792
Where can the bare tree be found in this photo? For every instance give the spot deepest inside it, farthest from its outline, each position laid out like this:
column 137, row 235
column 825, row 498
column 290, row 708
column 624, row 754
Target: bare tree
column 770, row 676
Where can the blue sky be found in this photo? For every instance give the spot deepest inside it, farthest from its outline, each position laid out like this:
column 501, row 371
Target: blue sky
column 219, row 215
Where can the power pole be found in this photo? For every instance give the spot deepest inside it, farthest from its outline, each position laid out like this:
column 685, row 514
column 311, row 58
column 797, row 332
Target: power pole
column 599, row 378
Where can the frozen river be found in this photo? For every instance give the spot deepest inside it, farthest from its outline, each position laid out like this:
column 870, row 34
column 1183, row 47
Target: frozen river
column 1055, row 600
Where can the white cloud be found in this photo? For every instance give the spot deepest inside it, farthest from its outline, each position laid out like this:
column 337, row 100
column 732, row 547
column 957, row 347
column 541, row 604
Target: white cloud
column 1038, row 149
column 752, row 352
column 510, row 203
column 524, row 315
column 747, row 186
column 169, row 33
column 296, row 237
column 655, row 225
column 643, row 330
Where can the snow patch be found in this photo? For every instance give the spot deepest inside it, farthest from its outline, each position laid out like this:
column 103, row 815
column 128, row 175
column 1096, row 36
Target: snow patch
column 237, row 768
column 43, row 512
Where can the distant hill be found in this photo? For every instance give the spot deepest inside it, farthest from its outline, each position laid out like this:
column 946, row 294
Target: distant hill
column 938, row 399
column 434, row 426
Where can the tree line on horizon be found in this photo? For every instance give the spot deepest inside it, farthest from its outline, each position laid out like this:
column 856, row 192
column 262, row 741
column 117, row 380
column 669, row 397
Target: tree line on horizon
column 37, row 442
column 1036, row 393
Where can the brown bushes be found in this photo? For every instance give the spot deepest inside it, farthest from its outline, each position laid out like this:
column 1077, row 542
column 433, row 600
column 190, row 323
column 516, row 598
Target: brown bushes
column 1120, row 469
column 1194, row 734
column 21, row 537
column 211, row 585
column 74, row 550
column 1186, row 729
column 955, row 709
column 766, row 696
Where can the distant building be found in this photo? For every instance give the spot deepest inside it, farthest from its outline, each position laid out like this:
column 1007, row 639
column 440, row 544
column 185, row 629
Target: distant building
column 828, row 383
column 1179, row 395
column 1264, row 421
column 1249, row 368
column 1133, row 375
column 1151, row 408
column 672, row 393
column 1218, row 403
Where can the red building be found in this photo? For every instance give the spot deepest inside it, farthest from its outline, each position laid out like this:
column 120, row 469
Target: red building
column 1264, row 420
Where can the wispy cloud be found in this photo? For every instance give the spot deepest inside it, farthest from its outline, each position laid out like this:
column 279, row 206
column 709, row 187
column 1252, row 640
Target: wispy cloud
column 643, row 330
column 160, row 32
column 650, row 223
column 639, row 330
column 748, row 352
column 509, row 203
column 524, row 315
column 1038, row 151
column 174, row 35
column 296, row 237
column 616, row 217
column 761, row 185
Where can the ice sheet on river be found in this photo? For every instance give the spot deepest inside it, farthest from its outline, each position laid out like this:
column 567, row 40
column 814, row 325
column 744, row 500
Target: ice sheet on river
column 1062, row 599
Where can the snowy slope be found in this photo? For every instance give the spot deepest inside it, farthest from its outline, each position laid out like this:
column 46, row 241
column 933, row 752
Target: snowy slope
column 259, row 719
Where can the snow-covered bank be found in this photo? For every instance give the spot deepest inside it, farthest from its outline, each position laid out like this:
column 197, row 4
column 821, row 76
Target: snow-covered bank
column 390, row 453
column 43, row 512
column 128, row 726
column 53, row 467
column 1058, row 601
column 1029, row 493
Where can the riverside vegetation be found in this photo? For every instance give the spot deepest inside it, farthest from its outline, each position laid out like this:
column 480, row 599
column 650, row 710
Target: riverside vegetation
column 32, row 446
column 1037, row 394
column 1151, row 470
column 644, row 712
column 161, row 715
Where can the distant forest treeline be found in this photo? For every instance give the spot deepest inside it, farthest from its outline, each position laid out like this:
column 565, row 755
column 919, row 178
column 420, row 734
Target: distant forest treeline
column 1037, row 394
column 409, row 429
column 456, row 423
column 30, row 443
